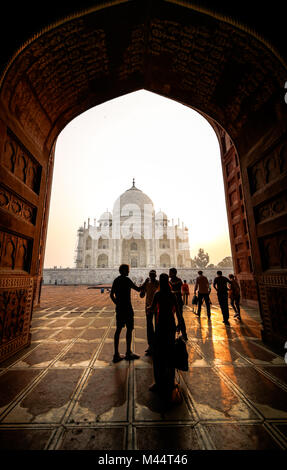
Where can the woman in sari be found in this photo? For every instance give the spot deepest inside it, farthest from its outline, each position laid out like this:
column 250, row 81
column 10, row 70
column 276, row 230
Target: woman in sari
column 164, row 304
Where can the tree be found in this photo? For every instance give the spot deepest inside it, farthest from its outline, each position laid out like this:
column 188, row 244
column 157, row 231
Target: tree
column 226, row 262
column 202, row 258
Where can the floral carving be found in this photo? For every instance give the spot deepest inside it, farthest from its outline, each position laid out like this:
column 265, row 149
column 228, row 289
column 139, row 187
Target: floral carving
column 17, row 206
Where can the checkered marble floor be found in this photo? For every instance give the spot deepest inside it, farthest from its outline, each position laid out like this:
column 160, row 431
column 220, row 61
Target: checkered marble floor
column 64, row 392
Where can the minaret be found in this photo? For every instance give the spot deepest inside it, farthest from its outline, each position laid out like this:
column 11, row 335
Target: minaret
column 79, row 249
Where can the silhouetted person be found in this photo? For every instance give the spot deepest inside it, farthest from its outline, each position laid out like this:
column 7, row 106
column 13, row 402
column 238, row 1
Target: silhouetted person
column 234, row 295
column 202, row 285
column 121, row 296
column 165, row 304
column 149, row 287
column 220, row 285
column 176, row 283
column 185, row 292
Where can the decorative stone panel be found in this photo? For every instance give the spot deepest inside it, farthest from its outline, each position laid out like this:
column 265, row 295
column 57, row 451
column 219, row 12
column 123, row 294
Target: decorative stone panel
column 268, row 169
column 18, row 160
column 15, row 252
column 15, row 313
column 273, row 250
column 273, row 294
column 17, row 206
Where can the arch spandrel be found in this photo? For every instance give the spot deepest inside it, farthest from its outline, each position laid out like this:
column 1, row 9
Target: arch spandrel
column 194, row 58
column 201, row 61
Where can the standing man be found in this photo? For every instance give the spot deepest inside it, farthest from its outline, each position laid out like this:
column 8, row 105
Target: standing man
column 121, row 296
column 234, row 294
column 220, row 285
column 149, row 287
column 202, row 285
column 185, row 292
column 176, row 283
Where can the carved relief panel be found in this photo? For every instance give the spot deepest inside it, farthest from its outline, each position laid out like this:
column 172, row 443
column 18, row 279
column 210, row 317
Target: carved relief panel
column 15, row 252
column 17, row 206
column 268, row 169
column 273, row 250
column 21, row 163
column 15, row 313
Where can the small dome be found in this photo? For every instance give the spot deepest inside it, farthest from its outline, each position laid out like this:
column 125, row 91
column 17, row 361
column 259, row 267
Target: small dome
column 106, row 216
column 160, row 216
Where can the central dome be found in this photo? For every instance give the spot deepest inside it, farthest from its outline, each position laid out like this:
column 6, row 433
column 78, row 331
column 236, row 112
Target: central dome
column 130, row 198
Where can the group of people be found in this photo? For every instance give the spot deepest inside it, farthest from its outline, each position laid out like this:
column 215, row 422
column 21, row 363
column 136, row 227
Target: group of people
column 164, row 301
column 224, row 287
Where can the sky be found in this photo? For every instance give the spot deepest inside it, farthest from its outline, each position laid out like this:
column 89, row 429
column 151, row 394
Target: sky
column 170, row 150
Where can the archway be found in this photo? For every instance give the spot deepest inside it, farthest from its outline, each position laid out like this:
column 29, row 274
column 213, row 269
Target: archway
column 103, row 243
column 103, row 261
column 201, row 60
column 165, row 260
column 89, row 243
column 88, row 261
column 134, row 252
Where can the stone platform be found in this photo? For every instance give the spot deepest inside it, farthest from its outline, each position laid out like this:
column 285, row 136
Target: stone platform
column 63, row 392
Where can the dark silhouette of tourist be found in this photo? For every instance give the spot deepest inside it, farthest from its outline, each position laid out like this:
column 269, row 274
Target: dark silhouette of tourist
column 149, row 287
column 209, row 292
column 121, row 296
column 220, row 285
column 185, row 292
column 202, row 285
column 176, row 283
column 234, row 295
column 165, row 304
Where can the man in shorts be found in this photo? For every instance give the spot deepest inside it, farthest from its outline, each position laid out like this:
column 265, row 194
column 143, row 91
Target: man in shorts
column 121, row 296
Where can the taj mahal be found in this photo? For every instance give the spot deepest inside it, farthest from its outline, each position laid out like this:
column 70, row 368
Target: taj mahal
column 132, row 234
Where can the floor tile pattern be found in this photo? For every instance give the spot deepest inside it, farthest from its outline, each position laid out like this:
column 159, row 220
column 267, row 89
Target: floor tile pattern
column 64, row 392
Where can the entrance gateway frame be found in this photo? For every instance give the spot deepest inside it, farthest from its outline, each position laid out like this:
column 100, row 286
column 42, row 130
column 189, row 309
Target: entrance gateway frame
column 202, row 60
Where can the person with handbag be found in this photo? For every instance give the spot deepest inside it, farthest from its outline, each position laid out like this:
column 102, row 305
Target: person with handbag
column 165, row 304
column 175, row 284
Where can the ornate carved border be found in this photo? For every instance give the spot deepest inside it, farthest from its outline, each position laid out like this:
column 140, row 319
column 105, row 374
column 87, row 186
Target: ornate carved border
column 273, row 280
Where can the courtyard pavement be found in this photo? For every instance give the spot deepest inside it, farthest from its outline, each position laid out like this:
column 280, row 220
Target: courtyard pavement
column 64, row 392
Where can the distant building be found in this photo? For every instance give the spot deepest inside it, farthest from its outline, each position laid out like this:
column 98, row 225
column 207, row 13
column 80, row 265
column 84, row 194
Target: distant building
column 134, row 235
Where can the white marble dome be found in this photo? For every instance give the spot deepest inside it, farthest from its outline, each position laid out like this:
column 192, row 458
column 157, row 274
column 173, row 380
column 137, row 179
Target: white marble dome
column 130, row 199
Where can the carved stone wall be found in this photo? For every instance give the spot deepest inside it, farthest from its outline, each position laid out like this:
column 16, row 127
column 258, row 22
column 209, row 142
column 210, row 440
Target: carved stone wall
column 237, row 218
column 22, row 185
column 92, row 276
